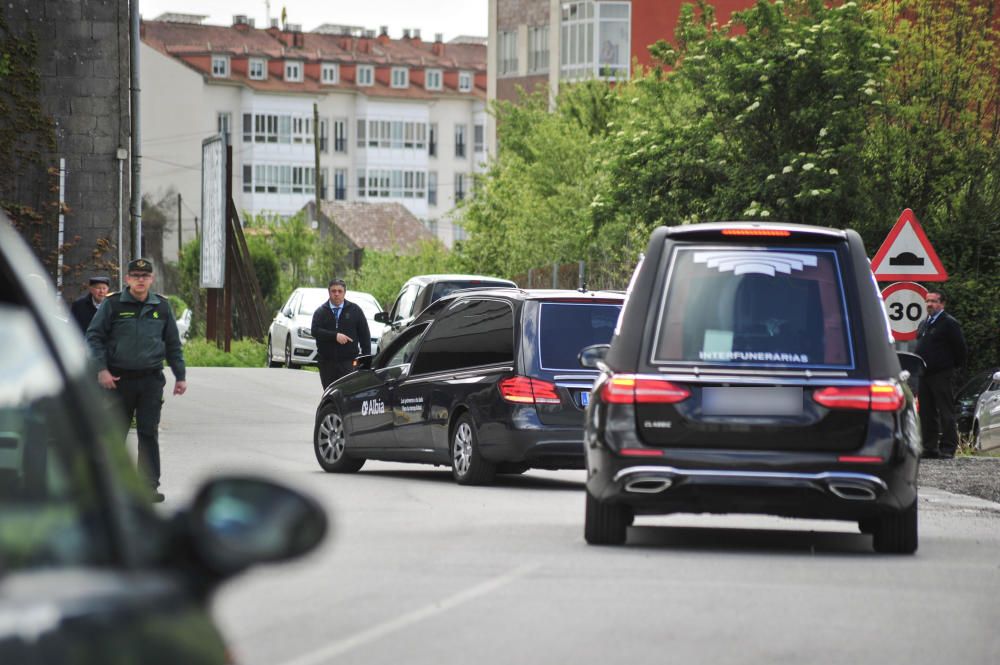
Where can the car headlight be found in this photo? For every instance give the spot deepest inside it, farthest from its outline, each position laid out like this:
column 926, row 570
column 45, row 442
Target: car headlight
column 304, row 333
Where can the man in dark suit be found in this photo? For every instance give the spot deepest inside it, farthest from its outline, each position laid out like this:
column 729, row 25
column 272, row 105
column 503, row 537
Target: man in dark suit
column 341, row 332
column 84, row 308
column 942, row 346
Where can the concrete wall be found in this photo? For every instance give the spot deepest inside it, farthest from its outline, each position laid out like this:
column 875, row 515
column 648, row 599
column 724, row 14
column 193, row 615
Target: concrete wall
column 83, row 61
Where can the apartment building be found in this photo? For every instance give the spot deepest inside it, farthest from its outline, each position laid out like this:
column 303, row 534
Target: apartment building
column 399, row 120
column 540, row 44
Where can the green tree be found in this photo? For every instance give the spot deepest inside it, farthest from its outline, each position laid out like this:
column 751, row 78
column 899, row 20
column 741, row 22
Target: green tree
column 383, row 273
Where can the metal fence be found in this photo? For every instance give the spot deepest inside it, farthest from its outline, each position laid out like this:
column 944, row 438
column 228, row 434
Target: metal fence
column 592, row 275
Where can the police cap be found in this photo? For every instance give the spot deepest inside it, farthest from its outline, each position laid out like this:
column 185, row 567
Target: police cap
column 140, row 265
column 99, row 279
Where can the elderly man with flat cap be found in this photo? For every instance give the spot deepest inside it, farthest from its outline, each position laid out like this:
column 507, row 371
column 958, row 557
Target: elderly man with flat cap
column 131, row 335
column 84, row 307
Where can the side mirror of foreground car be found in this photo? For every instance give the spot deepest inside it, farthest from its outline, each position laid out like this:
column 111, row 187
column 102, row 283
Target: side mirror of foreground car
column 237, row 522
column 363, row 362
column 382, row 317
column 593, row 356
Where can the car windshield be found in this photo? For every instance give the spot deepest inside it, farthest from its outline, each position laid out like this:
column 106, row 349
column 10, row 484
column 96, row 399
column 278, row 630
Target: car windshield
column 313, row 298
column 441, row 289
column 754, row 306
column 565, row 328
column 51, row 512
column 976, row 385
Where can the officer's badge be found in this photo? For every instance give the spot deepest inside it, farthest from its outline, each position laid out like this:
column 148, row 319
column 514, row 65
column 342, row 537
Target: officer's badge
column 142, row 265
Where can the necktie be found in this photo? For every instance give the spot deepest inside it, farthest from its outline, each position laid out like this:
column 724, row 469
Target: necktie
column 336, row 313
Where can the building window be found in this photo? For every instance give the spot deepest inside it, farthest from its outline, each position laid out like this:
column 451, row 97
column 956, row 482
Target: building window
column 324, row 135
column 393, row 134
column 282, row 179
column 432, row 140
column 248, row 178
column 223, row 121
column 507, row 53
column 460, row 140
column 432, row 79
column 459, row 187
column 538, row 49
column 329, row 73
column 479, row 138
column 258, row 69
column 595, row 40
column 247, row 127
column 465, row 81
column 391, row 184
column 340, row 184
column 400, row 77
column 220, row 66
column 432, row 225
column 432, row 188
column 293, row 70
column 340, row 135
column 460, row 233
column 366, row 75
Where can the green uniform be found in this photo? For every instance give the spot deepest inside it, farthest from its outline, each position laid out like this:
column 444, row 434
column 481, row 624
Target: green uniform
column 131, row 339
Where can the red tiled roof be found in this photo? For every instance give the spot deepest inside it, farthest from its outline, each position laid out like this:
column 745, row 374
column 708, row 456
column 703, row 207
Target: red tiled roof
column 380, row 227
column 192, row 43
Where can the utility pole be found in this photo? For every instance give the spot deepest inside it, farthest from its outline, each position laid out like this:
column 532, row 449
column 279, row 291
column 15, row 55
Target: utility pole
column 136, row 227
column 180, row 243
column 318, row 178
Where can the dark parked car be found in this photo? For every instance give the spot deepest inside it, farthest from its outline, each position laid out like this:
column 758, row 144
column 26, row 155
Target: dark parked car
column 967, row 398
column 482, row 381
column 753, row 372
column 419, row 292
column 90, row 573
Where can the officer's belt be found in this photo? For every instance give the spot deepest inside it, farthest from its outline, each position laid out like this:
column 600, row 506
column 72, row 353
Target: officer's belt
column 134, row 373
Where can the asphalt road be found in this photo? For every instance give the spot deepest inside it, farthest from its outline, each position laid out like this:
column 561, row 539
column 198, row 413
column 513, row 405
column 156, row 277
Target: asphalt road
column 420, row 570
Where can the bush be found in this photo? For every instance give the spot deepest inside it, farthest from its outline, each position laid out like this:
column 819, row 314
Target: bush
column 243, row 353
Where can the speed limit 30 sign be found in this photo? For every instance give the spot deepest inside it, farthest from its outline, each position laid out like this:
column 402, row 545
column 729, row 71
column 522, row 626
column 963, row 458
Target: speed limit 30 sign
column 904, row 305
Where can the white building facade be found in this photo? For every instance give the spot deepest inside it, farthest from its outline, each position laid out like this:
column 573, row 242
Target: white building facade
column 399, row 120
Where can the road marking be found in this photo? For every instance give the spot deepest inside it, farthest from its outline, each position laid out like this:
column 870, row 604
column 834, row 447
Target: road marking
column 331, row 650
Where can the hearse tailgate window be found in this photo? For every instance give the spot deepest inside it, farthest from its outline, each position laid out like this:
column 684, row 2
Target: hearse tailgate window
column 754, row 306
column 567, row 327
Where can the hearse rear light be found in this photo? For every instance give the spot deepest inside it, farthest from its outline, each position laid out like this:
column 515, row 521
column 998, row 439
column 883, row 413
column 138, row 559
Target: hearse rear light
column 860, row 459
column 525, row 390
column 769, row 233
column 631, row 389
column 877, row 396
column 640, row 452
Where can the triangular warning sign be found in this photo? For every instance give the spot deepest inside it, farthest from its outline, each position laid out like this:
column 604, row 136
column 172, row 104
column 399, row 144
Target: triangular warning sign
column 907, row 254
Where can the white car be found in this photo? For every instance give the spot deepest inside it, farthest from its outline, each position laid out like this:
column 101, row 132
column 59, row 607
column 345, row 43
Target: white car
column 986, row 425
column 289, row 341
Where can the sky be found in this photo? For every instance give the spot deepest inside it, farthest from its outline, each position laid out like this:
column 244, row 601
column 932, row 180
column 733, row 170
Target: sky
column 450, row 17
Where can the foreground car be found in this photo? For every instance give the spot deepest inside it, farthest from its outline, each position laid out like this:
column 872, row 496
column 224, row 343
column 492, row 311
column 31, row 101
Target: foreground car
column 289, row 341
column 90, row 574
column 753, row 372
column 483, row 381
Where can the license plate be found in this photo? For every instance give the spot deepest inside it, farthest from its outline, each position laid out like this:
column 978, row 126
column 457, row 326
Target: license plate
column 751, row 401
column 584, row 398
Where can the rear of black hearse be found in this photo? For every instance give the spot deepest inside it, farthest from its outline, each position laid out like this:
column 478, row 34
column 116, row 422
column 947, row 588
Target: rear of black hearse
column 753, row 372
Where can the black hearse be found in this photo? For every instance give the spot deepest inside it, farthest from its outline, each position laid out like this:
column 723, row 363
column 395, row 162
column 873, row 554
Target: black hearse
column 483, row 381
column 753, row 372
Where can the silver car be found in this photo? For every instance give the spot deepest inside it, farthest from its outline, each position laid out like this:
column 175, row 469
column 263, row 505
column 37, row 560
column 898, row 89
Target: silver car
column 986, row 424
column 289, row 341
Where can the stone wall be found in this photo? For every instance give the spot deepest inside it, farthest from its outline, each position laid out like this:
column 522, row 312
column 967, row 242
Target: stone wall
column 82, row 51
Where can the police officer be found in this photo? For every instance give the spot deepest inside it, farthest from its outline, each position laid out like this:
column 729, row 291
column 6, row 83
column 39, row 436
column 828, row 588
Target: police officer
column 84, row 308
column 340, row 329
column 130, row 336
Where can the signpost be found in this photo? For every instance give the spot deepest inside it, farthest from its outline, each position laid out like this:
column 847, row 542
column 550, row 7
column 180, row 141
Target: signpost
column 904, row 305
column 907, row 254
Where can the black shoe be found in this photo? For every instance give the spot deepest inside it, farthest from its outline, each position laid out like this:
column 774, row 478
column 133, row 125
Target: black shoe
column 157, row 497
column 931, row 454
column 944, row 455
